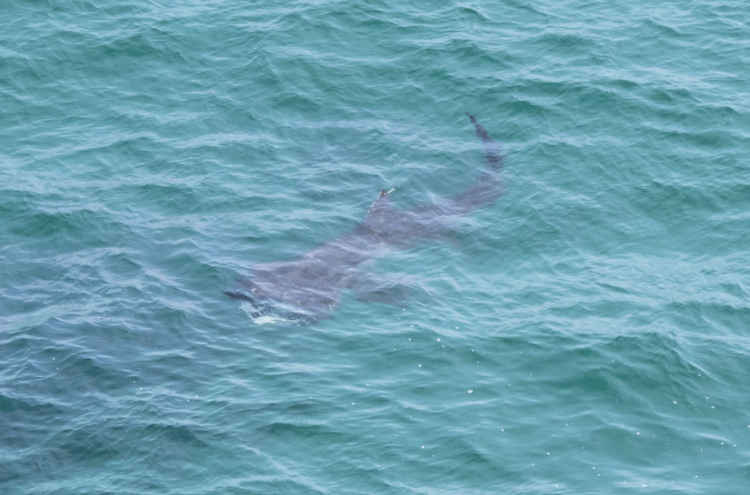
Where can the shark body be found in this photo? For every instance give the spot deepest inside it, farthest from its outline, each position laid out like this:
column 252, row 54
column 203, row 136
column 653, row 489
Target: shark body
column 310, row 286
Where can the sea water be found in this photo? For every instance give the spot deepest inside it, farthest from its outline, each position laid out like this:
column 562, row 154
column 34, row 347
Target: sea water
column 588, row 333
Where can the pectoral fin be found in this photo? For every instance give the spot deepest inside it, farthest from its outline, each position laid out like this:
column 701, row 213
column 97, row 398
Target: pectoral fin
column 394, row 295
column 370, row 289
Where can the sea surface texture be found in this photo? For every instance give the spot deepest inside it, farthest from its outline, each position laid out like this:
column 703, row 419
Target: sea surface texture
column 586, row 333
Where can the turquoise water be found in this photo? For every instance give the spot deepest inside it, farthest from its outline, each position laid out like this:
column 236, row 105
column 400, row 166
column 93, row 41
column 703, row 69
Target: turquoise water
column 587, row 333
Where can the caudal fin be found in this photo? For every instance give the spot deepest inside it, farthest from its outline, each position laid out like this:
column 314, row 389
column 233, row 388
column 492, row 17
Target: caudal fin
column 491, row 148
column 489, row 185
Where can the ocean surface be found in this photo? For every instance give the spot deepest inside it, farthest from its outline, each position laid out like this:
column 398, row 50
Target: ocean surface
column 586, row 333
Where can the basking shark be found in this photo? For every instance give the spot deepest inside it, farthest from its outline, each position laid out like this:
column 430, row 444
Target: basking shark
column 310, row 286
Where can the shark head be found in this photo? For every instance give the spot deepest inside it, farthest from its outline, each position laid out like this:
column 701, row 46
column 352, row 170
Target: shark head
column 267, row 302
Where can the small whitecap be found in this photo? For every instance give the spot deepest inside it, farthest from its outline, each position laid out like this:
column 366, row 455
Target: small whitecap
column 267, row 319
column 250, row 311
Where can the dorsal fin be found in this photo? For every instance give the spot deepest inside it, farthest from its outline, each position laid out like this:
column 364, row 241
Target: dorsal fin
column 381, row 204
column 382, row 201
column 381, row 211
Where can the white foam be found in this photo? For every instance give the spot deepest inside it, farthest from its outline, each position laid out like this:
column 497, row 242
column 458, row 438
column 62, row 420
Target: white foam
column 251, row 310
column 266, row 319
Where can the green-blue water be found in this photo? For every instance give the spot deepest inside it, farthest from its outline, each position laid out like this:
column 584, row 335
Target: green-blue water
column 588, row 333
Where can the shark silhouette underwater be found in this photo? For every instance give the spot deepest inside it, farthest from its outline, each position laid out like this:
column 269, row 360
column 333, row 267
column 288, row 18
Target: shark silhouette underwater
column 310, row 287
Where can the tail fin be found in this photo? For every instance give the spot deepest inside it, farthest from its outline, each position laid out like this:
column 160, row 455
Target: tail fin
column 489, row 186
column 491, row 148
